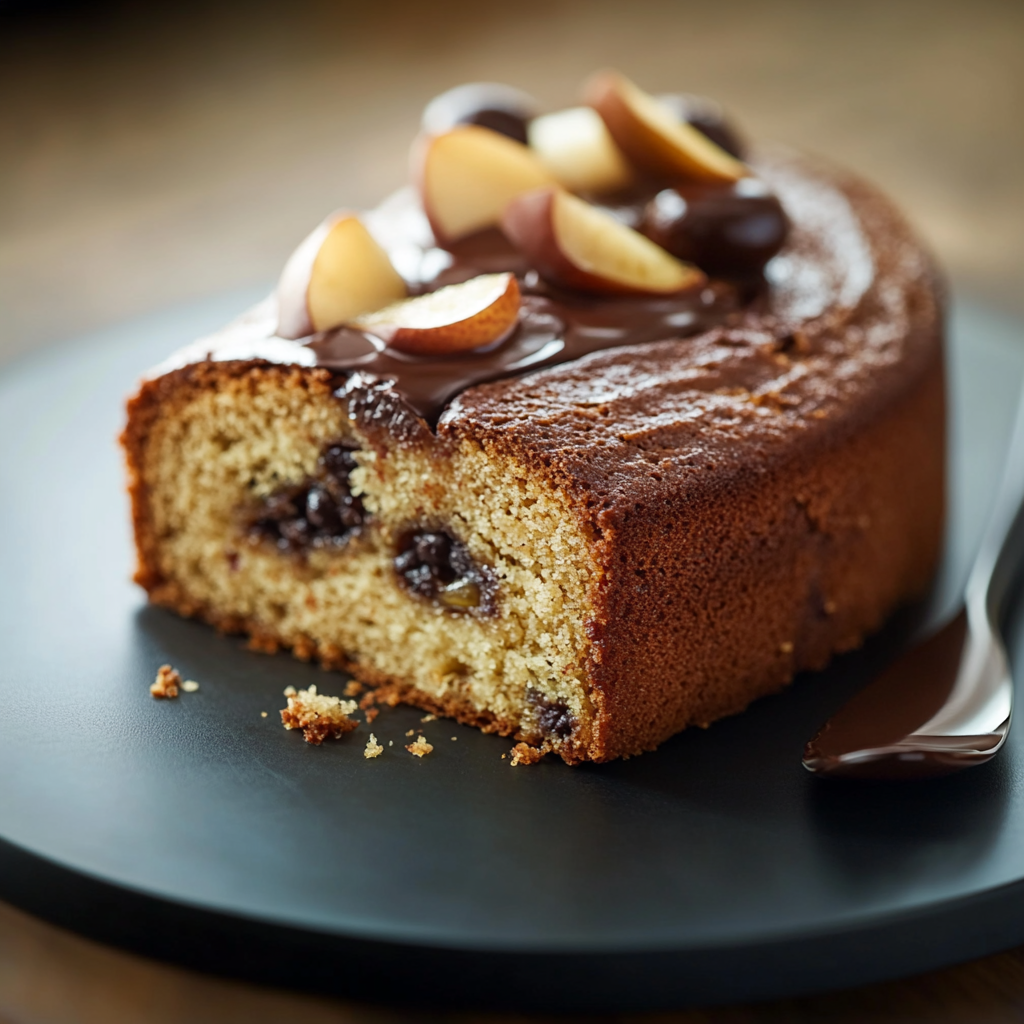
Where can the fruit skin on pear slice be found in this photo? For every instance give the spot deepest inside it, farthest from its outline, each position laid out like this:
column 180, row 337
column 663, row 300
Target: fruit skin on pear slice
column 579, row 246
column 454, row 319
column 577, row 148
column 466, row 177
column 338, row 272
column 652, row 136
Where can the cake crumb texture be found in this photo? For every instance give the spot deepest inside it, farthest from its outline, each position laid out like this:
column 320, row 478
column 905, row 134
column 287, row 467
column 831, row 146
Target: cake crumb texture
column 166, row 684
column 419, row 747
column 318, row 716
column 660, row 533
column 523, row 753
column 210, row 442
column 373, row 748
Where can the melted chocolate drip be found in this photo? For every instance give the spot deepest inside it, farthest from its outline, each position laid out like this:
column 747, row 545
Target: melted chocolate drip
column 555, row 325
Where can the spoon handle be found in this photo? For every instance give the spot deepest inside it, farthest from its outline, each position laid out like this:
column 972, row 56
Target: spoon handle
column 1002, row 546
column 947, row 702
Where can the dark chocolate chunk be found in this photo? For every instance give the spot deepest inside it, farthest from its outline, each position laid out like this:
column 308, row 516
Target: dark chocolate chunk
column 436, row 566
column 498, row 107
column 554, row 718
column 729, row 230
column 320, row 512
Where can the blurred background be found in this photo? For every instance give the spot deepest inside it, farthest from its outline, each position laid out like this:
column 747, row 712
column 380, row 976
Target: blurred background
column 152, row 154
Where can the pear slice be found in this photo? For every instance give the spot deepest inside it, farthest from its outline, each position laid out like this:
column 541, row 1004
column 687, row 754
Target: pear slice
column 651, row 135
column 579, row 246
column 467, row 175
column 338, row 272
column 577, row 148
column 454, row 319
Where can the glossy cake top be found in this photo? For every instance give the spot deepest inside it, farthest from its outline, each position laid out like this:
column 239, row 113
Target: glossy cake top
column 761, row 297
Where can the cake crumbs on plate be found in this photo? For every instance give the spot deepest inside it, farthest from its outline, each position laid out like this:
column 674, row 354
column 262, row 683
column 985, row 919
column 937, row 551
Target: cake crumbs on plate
column 190, row 686
column 429, row 718
column 373, row 748
column 353, row 688
column 523, row 753
column 263, row 714
column 371, row 714
column 419, row 747
column 165, row 686
column 411, row 732
column 318, row 716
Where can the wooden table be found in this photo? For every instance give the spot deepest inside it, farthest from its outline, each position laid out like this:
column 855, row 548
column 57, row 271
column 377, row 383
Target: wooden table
column 147, row 159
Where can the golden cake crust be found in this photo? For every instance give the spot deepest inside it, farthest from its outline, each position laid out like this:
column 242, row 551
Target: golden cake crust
column 755, row 498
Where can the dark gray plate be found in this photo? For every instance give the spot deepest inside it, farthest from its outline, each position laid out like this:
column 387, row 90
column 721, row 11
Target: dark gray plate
column 714, row 869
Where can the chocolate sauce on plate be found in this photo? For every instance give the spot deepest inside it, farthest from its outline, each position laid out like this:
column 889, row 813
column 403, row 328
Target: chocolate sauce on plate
column 898, row 702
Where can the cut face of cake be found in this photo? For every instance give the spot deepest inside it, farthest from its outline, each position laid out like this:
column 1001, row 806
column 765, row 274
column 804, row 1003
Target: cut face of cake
column 642, row 494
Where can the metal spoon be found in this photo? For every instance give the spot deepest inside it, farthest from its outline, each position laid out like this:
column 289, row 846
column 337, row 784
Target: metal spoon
column 946, row 703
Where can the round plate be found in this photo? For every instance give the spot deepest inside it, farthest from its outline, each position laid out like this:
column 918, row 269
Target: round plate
column 715, row 869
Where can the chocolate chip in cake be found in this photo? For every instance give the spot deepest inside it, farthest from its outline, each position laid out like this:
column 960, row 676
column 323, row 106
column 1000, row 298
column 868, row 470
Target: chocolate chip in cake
column 554, row 719
column 436, row 566
column 319, row 513
column 731, row 229
column 501, row 108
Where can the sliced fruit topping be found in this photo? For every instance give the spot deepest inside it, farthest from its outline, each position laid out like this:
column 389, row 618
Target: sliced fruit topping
column 501, row 108
column 576, row 147
column 651, row 134
column 460, row 317
column 338, row 272
column 468, row 175
column 576, row 245
column 707, row 117
column 731, row 230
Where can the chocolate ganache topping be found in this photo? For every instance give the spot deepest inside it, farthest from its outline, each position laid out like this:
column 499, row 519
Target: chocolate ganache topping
column 813, row 287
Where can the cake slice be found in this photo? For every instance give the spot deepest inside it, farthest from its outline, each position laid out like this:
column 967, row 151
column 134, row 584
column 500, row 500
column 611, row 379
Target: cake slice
column 651, row 496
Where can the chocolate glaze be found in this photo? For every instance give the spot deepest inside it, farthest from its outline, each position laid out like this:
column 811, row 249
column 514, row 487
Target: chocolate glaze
column 792, row 440
column 554, row 327
column 815, row 290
